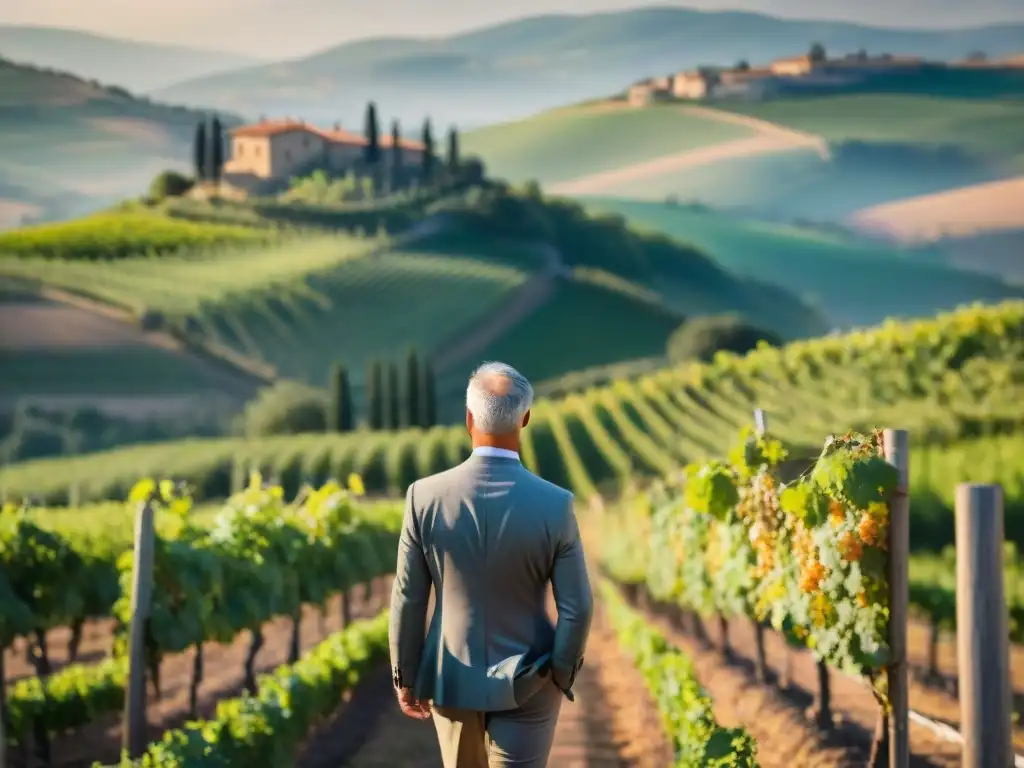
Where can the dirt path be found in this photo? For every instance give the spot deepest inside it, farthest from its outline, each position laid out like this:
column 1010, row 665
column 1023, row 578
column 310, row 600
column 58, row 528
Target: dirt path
column 612, row 723
column 767, row 138
column 529, row 297
column 224, row 677
column 973, row 210
column 785, row 735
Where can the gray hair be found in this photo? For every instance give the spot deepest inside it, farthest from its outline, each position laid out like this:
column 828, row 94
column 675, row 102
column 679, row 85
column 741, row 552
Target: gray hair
column 498, row 410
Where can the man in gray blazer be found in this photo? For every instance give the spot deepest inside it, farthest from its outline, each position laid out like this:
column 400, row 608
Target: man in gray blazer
column 488, row 536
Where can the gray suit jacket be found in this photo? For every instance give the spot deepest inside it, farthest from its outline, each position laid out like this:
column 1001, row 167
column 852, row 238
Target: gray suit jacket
column 489, row 536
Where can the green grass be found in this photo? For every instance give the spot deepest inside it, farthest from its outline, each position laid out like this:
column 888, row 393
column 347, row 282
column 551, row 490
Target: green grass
column 302, row 304
column 109, row 371
column 118, row 235
column 852, row 282
column 586, row 323
column 182, row 285
column 366, row 308
column 981, row 127
column 570, row 143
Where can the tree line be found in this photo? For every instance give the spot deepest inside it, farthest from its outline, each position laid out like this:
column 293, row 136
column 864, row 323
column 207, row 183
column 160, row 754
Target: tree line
column 397, row 397
column 373, row 154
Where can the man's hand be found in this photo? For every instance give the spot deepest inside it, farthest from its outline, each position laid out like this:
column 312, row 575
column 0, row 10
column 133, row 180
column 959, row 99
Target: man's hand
column 411, row 706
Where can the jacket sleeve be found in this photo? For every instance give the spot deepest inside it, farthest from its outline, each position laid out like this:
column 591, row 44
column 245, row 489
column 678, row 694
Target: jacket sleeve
column 410, row 595
column 574, row 601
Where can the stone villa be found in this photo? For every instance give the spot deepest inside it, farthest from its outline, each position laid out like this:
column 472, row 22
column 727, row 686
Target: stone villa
column 267, row 155
column 781, row 75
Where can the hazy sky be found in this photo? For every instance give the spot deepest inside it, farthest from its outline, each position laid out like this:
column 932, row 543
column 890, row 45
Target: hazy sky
column 275, row 28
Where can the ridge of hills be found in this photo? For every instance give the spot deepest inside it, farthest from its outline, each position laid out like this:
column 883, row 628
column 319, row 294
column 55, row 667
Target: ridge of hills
column 481, row 76
column 139, row 66
column 70, row 145
column 606, row 295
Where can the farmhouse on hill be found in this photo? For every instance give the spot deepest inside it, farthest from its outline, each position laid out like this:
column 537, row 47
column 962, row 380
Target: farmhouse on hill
column 265, row 156
column 813, row 70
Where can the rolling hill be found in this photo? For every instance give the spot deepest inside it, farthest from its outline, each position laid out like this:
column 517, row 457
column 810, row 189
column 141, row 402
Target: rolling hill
column 818, row 158
column 944, row 379
column 459, row 288
column 70, row 145
column 135, row 65
column 574, row 142
column 516, row 68
column 63, row 353
column 853, row 282
column 996, row 207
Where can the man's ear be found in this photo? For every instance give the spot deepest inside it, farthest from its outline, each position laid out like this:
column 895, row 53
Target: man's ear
column 526, row 418
column 469, row 421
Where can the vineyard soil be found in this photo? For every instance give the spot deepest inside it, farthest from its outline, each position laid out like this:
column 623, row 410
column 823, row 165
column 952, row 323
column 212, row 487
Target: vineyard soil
column 612, row 724
column 940, row 707
column 738, row 699
column 223, row 678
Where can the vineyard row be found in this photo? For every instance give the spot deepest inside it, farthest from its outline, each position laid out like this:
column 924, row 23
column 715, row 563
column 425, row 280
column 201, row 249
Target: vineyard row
column 260, row 559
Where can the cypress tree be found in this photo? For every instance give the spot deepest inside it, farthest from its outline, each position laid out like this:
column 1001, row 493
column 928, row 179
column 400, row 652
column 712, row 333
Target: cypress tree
column 375, row 395
column 339, row 411
column 394, row 397
column 216, row 149
column 199, row 151
column 428, row 152
column 453, row 149
column 396, row 156
column 412, row 390
column 371, row 152
column 428, row 396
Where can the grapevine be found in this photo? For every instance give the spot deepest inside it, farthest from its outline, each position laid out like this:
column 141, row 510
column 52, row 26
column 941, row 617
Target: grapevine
column 260, row 558
column 686, row 709
column 809, row 557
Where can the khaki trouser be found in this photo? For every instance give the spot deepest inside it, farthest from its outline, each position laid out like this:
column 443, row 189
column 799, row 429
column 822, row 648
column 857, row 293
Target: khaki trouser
column 517, row 737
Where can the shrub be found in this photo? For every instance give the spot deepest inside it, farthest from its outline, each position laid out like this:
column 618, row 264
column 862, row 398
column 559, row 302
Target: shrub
column 287, row 408
column 701, row 337
column 169, row 184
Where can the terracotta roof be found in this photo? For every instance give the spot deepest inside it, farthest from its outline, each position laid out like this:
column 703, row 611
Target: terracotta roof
column 338, row 136
column 273, row 128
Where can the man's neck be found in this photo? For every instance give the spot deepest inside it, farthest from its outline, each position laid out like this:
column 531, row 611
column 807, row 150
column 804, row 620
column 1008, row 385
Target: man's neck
column 505, row 442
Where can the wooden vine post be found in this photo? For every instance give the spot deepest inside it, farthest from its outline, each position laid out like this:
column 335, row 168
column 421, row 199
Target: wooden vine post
column 134, row 729
column 983, row 657
column 896, row 445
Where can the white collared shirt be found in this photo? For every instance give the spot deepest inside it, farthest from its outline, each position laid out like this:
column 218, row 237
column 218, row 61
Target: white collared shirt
column 498, row 453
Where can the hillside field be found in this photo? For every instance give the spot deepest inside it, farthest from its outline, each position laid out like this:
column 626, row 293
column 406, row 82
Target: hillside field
column 982, row 128
column 996, row 207
column 565, row 144
column 68, row 356
column 69, row 145
column 854, row 282
column 955, row 377
column 289, row 302
column 882, row 148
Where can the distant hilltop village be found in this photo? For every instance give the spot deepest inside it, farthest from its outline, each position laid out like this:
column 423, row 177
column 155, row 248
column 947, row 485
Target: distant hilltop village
column 812, row 72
